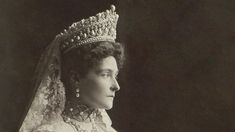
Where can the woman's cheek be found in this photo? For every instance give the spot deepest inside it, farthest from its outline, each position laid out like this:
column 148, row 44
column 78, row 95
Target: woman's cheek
column 101, row 85
column 95, row 86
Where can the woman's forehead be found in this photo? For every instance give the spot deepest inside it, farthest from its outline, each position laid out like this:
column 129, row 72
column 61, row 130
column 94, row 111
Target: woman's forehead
column 107, row 64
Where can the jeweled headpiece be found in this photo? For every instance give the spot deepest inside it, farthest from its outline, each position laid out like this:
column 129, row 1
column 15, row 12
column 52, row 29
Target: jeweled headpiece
column 101, row 27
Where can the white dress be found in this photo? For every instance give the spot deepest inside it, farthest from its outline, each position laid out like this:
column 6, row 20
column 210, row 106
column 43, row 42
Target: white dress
column 95, row 122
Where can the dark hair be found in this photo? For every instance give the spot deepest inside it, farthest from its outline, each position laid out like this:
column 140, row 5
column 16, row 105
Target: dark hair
column 83, row 58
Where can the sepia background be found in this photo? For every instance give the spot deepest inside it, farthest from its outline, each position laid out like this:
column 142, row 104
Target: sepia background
column 180, row 70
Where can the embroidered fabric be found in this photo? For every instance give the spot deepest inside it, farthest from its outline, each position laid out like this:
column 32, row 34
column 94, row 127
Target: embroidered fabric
column 83, row 113
column 88, row 120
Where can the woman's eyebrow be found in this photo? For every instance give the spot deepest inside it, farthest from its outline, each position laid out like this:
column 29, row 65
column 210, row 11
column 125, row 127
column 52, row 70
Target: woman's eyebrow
column 107, row 70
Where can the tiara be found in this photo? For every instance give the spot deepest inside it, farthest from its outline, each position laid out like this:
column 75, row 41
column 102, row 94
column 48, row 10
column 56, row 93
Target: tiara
column 101, row 27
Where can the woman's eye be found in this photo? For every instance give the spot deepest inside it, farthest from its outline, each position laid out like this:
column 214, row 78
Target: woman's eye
column 108, row 75
column 105, row 75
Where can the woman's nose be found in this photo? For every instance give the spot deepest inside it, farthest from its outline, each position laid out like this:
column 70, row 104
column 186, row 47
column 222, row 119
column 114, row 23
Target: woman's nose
column 115, row 86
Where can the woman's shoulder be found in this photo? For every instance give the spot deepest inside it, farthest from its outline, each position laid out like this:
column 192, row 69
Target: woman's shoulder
column 55, row 126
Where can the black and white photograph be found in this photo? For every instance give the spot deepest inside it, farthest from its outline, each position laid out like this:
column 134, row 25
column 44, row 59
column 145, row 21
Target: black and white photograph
column 117, row 66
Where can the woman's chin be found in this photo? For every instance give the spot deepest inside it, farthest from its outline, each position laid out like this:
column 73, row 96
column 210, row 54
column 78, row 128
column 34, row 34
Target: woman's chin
column 108, row 106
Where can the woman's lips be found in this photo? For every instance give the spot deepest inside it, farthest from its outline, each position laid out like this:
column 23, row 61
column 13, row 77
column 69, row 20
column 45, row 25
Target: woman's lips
column 111, row 96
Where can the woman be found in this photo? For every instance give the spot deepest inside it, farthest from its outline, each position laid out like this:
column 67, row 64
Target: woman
column 77, row 78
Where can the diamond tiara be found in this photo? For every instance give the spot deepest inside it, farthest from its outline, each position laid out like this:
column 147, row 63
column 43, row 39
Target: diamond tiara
column 101, row 27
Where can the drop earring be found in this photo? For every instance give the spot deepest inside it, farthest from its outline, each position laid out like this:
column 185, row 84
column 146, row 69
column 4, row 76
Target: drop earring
column 75, row 84
column 77, row 92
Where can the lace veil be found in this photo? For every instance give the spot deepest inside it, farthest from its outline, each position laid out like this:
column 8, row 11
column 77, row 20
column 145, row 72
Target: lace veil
column 49, row 99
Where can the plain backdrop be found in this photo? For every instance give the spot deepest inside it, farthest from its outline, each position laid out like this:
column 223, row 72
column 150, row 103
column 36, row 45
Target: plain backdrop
column 180, row 70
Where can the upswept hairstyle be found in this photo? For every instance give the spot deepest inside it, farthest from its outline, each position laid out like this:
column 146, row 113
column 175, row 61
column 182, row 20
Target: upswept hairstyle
column 85, row 57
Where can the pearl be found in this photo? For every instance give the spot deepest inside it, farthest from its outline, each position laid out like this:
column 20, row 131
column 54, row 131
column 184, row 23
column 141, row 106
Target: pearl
column 85, row 35
column 90, row 18
column 71, row 109
column 77, row 95
column 82, row 21
column 77, row 90
column 78, row 38
column 117, row 16
column 113, row 8
column 93, row 33
column 99, row 15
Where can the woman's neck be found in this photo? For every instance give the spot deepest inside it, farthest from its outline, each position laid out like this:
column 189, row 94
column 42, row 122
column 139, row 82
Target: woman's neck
column 78, row 110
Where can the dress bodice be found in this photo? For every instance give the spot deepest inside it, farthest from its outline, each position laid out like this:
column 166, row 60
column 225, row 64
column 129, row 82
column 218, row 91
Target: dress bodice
column 79, row 119
column 60, row 125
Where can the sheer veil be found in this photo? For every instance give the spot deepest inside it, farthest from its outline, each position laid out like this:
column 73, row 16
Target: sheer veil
column 49, row 98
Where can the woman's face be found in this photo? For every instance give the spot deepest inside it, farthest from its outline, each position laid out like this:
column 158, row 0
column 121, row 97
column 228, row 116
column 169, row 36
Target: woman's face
column 98, row 87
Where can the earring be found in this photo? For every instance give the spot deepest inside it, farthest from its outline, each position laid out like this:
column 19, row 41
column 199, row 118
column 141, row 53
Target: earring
column 75, row 84
column 77, row 92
